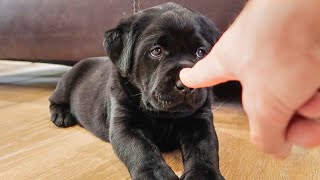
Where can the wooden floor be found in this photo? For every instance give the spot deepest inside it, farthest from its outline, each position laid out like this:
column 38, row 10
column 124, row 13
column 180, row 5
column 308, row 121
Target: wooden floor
column 31, row 147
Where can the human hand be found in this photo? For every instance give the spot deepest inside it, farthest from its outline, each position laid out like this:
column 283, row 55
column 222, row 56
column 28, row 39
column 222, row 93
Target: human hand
column 273, row 49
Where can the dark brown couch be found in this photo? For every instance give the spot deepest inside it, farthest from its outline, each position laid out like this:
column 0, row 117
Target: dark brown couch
column 61, row 31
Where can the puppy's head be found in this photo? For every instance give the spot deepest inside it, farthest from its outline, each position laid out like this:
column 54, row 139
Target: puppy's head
column 152, row 46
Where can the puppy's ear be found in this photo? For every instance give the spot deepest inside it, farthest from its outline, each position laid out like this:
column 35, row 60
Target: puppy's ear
column 209, row 29
column 119, row 43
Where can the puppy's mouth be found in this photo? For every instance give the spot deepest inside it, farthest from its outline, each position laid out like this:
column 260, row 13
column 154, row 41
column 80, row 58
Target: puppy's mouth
column 170, row 105
column 160, row 102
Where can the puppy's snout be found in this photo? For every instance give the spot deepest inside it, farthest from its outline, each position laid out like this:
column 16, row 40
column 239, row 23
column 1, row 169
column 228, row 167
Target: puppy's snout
column 182, row 88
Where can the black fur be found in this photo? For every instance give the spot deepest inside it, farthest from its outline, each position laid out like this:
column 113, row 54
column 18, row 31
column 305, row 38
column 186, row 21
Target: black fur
column 132, row 99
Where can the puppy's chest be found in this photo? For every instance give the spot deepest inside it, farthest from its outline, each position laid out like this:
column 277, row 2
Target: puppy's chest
column 164, row 134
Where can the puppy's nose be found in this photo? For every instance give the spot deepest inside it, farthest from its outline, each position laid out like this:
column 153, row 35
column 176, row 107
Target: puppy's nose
column 182, row 88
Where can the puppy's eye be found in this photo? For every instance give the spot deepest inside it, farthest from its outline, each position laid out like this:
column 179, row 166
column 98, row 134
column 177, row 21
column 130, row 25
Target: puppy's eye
column 156, row 52
column 200, row 53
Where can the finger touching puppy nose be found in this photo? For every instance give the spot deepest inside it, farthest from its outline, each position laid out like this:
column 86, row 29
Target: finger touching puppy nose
column 209, row 71
column 181, row 87
column 183, row 65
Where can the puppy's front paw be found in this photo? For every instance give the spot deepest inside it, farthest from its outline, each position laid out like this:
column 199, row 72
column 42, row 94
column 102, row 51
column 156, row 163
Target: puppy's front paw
column 202, row 174
column 61, row 116
column 156, row 174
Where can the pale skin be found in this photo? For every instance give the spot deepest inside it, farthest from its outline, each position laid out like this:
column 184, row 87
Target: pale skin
column 273, row 49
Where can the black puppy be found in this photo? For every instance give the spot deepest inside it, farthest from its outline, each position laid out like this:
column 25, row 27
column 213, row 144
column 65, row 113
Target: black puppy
column 135, row 100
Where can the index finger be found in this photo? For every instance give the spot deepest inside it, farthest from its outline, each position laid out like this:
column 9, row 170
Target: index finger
column 207, row 72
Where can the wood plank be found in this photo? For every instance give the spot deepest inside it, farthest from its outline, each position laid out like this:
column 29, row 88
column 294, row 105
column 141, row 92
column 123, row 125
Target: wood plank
column 31, row 147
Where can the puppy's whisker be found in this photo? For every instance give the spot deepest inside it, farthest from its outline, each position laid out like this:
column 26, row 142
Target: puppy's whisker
column 127, row 82
column 220, row 105
column 136, row 95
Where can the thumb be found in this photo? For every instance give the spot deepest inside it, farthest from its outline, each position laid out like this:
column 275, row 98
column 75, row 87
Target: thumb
column 304, row 132
column 207, row 72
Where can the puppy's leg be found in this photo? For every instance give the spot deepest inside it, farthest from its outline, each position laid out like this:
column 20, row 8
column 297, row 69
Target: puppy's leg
column 60, row 100
column 199, row 146
column 142, row 158
column 61, row 116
